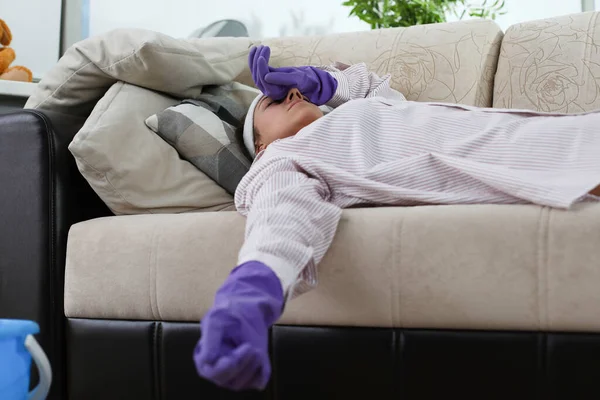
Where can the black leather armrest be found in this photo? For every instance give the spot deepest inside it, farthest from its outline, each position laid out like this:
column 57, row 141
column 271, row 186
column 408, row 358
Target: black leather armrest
column 41, row 195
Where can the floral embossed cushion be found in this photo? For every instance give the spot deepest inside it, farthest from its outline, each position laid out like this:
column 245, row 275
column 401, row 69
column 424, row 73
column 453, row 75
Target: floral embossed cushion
column 551, row 65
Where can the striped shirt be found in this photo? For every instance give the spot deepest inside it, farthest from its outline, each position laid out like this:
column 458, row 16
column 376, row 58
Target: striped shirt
column 375, row 148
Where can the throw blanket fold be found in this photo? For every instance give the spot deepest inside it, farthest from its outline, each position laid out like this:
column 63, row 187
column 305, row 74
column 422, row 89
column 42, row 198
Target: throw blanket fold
column 178, row 67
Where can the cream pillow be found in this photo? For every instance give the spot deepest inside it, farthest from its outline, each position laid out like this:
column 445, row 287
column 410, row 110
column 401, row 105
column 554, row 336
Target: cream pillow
column 131, row 168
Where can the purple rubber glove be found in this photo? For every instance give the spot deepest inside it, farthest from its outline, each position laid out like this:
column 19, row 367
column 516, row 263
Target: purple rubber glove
column 233, row 351
column 317, row 85
column 258, row 61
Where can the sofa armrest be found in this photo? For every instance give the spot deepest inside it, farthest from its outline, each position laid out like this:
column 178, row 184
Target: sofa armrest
column 42, row 195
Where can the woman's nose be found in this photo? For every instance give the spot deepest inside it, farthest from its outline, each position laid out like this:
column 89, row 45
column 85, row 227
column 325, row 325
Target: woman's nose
column 293, row 94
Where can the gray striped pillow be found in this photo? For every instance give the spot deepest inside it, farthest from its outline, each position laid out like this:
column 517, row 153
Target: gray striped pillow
column 203, row 133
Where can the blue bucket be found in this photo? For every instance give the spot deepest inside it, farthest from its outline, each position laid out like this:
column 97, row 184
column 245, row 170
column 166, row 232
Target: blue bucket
column 17, row 347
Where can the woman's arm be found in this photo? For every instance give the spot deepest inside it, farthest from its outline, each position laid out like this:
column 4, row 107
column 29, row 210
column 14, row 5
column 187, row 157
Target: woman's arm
column 290, row 227
column 290, row 224
column 329, row 86
column 357, row 82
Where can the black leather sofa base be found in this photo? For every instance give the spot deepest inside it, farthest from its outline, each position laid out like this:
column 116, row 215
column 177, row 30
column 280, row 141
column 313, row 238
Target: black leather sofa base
column 44, row 194
column 152, row 360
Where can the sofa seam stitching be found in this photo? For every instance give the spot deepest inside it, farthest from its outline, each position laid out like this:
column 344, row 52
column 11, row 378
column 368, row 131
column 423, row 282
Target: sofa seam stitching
column 90, row 62
column 392, row 267
column 398, row 271
column 51, row 95
column 546, row 265
column 155, row 361
column 538, row 269
column 159, row 378
column 155, row 263
column 151, row 278
column 53, row 234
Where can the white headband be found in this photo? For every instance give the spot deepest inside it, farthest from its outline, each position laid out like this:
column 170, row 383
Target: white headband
column 249, row 126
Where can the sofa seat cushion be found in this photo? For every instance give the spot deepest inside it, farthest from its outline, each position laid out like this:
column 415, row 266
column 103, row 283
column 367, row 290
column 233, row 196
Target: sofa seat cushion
column 455, row 267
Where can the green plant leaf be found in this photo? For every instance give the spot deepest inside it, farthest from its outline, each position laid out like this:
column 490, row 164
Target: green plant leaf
column 403, row 13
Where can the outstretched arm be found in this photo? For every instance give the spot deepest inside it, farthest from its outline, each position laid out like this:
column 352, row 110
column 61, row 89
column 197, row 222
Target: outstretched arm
column 290, row 224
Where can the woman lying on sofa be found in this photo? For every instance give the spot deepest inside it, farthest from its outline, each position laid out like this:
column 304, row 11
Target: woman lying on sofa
column 374, row 148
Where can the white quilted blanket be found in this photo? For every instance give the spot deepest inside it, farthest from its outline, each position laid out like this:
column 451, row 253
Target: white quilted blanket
column 178, row 67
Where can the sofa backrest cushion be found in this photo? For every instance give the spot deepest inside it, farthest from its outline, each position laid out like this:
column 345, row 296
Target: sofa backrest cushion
column 550, row 65
column 451, row 62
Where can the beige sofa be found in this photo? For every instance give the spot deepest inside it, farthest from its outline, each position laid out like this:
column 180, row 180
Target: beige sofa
column 480, row 267
column 442, row 268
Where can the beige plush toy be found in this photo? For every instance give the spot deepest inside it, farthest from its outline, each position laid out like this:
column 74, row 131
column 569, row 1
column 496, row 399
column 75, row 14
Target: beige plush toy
column 7, row 56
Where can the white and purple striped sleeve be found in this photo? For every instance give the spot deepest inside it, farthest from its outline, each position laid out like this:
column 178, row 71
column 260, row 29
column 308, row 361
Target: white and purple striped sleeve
column 290, row 223
column 357, row 82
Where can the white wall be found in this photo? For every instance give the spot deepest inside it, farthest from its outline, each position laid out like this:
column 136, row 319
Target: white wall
column 35, row 25
column 518, row 11
column 180, row 18
column 524, row 10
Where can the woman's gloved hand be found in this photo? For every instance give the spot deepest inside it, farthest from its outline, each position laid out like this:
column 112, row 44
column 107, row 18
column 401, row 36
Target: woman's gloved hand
column 317, row 85
column 233, row 351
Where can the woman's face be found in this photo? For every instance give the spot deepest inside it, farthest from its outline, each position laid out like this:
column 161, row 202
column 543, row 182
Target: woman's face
column 280, row 119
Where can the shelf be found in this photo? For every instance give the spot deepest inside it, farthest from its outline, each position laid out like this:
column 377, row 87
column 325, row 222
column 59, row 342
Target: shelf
column 17, row 89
